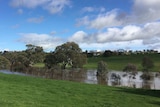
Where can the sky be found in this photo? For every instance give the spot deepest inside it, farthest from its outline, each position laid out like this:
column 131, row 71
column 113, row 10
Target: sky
column 92, row 24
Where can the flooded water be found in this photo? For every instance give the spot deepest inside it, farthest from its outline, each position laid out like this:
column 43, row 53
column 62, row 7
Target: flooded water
column 113, row 78
column 125, row 79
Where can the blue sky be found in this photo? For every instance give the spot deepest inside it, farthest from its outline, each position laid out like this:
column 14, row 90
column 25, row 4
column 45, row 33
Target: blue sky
column 93, row 24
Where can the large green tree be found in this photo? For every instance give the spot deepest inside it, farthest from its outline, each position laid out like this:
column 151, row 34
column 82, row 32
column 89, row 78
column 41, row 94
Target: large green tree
column 4, row 63
column 67, row 54
column 34, row 53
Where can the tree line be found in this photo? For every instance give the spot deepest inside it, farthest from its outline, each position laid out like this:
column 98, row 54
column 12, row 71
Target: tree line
column 66, row 55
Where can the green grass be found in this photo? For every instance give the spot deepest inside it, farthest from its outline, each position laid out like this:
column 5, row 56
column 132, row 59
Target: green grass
column 39, row 65
column 119, row 62
column 20, row 91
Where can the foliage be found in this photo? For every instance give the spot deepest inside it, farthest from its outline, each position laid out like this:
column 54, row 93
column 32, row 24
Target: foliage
column 34, row 53
column 18, row 60
column 147, row 63
column 101, row 68
column 67, row 54
column 4, row 63
column 50, row 60
column 146, row 76
column 20, row 91
column 130, row 68
column 107, row 53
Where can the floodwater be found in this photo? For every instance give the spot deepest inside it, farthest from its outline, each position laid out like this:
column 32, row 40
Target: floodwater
column 113, row 78
column 125, row 79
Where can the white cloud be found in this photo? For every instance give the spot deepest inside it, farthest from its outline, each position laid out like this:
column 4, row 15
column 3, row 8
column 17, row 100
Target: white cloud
column 36, row 19
column 93, row 9
column 88, row 9
column 46, row 41
column 78, row 36
column 146, row 10
column 134, row 45
column 28, row 3
column 143, row 11
column 147, row 34
column 103, row 20
column 56, row 6
column 53, row 6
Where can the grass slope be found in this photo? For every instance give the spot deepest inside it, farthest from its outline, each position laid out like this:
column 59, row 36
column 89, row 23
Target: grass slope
column 119, row 62
column 20, row 91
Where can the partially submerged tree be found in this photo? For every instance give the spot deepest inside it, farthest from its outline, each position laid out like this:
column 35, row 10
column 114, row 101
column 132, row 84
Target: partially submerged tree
column 147, row 64
column 102, row 68
column 130, row 68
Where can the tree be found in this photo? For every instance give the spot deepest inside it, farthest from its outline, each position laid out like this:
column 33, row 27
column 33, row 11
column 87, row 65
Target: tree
column 67, row 54
column 147, row 64
column 4, row 63
column 18, row 60
column 50, row 60
column 130, row 68
column 107, row 53
column 34, row 53
column 102, row 68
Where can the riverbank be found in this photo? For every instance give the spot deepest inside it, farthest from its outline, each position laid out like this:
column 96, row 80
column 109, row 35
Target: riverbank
column 21, row 91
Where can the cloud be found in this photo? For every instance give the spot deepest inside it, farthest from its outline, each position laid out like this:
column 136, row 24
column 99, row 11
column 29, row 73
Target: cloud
column 48, row 42
column 88, row 9
column 56, row 6
column 134, row 45
column 103, row 20
column 36, row 19
column 143, row 11
column 27, row 3
column 53, row 6
column 147, row 34
column 146, row 10
column 78, row 36
column 93, row 9
column 20, row 11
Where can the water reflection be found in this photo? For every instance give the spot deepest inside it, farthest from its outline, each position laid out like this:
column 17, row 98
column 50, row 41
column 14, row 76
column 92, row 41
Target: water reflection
column 113, row 78
column 119, row 78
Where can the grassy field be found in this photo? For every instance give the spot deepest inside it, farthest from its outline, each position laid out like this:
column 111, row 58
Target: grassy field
column 20, row 91
column 118, row 62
